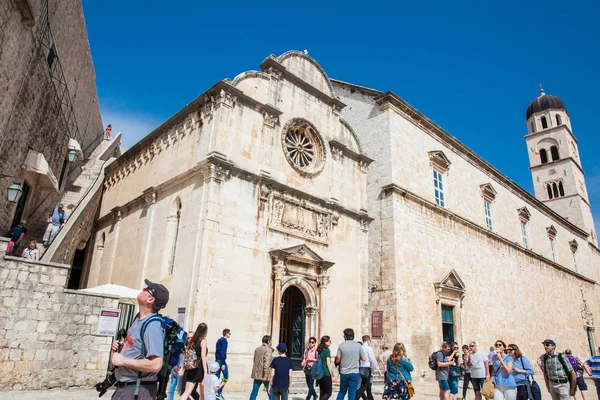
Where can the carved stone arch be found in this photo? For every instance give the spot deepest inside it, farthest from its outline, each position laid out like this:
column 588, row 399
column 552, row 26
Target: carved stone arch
column 307, row 290
column 299, row 54
column 347, row 125
column 248, row 75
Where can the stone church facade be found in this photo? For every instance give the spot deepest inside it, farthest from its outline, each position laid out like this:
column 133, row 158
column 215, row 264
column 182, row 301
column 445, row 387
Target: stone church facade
column 287, row 203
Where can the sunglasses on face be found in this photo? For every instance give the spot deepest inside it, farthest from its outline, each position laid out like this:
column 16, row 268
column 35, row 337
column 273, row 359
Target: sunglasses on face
column 471, row 345
column 499, row 345
column 149, row 291
column 510, row 349
column 547, row 345
column 311, row 342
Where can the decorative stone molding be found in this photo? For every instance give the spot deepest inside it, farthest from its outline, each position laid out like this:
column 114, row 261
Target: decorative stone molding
column 269, row 119
column 524, row 214
column 573, row 245
column 439, row 161
column 323, row 281
column 336, row 110
column 336, row 153
column 586, row 313
column 117, row 214
column 551, row 230
column 149, row 196
column 365, row 221
column 292, row 216
column 450, row 288
column 335, row 217
column 279, row 268
column 488, row 192
column 264, row 192
column 218, row 173
column 224, row 98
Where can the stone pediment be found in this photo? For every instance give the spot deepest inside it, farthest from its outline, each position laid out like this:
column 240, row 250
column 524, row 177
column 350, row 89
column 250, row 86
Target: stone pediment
column 301, row 254
column 439, row 160
column 452, row 280
column 450, row 288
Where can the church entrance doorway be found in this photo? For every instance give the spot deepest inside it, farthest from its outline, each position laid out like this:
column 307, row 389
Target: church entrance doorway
column 293, row 324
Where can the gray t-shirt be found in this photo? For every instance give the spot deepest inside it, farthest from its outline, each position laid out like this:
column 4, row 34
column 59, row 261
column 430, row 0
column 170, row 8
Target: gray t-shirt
column 441, row 373
column 154, row 336
column 349, row 353
column 478, row 360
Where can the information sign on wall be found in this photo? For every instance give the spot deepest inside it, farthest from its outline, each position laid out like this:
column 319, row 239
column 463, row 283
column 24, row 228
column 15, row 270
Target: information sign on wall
column 377, row 324
column 108, row 322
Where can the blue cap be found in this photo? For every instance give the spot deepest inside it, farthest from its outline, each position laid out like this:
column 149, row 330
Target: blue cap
column 281, row 347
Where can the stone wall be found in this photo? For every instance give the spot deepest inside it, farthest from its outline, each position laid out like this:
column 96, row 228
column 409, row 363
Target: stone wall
column 47, row 333
column 30, row 110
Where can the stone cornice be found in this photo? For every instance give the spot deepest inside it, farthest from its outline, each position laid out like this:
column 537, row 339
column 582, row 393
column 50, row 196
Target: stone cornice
column 444, row 211
column 180, row 116
column 216, row 166
column 363, row 160
column 567, row 197
column 391, row 100
column 271, row 62
column 557, row 162
column 551, row 130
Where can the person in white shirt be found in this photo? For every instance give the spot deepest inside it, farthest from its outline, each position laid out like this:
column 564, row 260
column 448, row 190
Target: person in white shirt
column 385, row 355
column 373, row 367
column 211, row 382
column 478, row 362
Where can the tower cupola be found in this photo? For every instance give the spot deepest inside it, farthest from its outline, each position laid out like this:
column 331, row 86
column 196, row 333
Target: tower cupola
column 544, row 102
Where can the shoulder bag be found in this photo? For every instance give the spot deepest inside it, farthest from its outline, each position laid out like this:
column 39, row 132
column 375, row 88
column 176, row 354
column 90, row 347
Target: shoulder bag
column 488, row 386
column 307, row 368
column 409, row 386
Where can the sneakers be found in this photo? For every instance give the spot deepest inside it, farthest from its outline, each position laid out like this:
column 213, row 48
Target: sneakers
column 220, row 396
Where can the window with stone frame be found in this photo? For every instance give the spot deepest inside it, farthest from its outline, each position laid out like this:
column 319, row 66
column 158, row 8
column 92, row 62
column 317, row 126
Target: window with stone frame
column 558, row 120
column 489, row 195
column 551, row 230
column 488, row 215
column 574, row 246
column 438, row 187
column 524, row 216
column 440, row 165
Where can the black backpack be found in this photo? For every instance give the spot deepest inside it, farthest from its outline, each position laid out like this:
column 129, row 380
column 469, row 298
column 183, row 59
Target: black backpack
column 432, row 362
column 15, row 233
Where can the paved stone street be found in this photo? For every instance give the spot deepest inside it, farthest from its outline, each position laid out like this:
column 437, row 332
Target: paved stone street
column 426, row 390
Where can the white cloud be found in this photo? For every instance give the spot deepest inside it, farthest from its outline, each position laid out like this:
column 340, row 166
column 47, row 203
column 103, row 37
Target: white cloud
column 133, row 126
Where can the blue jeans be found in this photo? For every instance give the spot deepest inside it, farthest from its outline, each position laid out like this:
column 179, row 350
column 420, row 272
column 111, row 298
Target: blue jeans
column 310, row 382
column 597, row 382
column 256, row 387
column 172, row 386
column 279, row 394
column 225, row 375
column 348, row 383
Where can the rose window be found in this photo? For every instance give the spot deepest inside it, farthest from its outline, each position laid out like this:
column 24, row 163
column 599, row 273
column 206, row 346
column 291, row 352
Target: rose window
column 300, row 150
column 303, row 146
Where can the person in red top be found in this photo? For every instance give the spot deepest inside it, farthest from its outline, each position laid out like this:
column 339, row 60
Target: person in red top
column 310, row 356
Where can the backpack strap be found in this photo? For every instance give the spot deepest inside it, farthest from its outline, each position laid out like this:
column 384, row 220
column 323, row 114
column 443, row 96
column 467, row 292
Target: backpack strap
column 564, row 365
column 138, row 382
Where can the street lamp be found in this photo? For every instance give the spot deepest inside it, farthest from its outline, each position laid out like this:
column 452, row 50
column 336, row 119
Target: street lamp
column 14, row 191
column 72, row 155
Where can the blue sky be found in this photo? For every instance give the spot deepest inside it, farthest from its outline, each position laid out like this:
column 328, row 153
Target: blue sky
column 471, row 67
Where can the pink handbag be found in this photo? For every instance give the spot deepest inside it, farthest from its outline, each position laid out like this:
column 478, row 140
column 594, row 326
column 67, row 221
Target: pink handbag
column 10, row 247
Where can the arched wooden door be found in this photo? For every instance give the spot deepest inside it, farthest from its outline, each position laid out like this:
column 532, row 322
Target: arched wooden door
column 293, row 324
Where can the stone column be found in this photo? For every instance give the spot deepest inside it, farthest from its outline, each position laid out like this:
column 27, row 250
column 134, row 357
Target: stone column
column 118, row 216
column 150, row 199
column 95, row 265
column 323, row 282
column 312, row 316
column 279, row 271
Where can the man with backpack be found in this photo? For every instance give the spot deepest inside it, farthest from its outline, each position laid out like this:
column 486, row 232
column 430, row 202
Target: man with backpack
column 141, row 357
column 560, row 378
column 438, row 361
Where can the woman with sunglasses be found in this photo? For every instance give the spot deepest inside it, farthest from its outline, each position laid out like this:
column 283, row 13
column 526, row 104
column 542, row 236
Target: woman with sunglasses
column 326, row 382
column 522, row 370
column 310, row 356
column 505, row 387
column 195, row 376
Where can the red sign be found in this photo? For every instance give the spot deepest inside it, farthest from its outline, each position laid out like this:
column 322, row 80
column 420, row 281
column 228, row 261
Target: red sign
column 107, row 313
column 377, row 324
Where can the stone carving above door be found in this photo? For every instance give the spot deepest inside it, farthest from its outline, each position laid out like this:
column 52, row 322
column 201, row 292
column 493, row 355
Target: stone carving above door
column 299, row 219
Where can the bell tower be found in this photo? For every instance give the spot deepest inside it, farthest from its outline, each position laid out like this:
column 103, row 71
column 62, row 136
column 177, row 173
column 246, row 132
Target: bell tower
column 554, row 162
